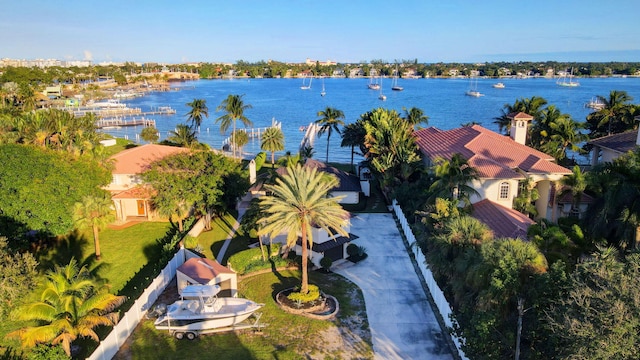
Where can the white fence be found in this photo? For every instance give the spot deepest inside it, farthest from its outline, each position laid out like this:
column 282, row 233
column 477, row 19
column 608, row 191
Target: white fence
column 119, row 334
column 438, row 297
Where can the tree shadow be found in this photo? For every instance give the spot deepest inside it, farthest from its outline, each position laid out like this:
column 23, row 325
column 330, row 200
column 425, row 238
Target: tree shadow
column 60, row 250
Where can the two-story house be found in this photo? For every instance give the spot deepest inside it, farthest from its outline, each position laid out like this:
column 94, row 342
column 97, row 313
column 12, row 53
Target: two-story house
column 501, row 161
column 131, row 197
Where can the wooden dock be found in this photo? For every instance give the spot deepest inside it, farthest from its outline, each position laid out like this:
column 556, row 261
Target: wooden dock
column 116, row 123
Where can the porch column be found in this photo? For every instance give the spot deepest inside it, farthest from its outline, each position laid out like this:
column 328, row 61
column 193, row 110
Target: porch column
column 542, row 204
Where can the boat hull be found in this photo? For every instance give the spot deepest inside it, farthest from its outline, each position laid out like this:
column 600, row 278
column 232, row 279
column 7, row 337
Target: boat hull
column 185, row 315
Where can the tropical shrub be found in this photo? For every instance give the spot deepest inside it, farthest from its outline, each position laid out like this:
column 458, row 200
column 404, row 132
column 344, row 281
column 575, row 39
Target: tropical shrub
column 326, row 263
column 311, row 295
column 250, row 260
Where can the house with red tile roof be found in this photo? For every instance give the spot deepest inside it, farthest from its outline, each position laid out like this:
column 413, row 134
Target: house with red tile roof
column 131, row 197
column 501, row 161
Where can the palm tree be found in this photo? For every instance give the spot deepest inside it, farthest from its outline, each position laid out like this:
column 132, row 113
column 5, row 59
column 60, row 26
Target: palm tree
column 149, row 134
column 331, row 119
column 532, row 106
column 299, row 201
column 239, row 138
column 93, row 212
column 234, row 108
column 71, row 304
column 198, row 109
column 353, row 135
column 453, row 178
column 183, row 135
column 554, row 133
column 615, row 117
column 415, row 116
column 576, row 184
column 272, row 140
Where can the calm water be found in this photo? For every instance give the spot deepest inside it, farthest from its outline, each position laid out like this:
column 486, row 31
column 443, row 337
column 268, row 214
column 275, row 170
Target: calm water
column 443, row 101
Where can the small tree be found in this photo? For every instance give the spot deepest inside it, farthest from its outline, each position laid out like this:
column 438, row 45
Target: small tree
column 93, row 212
column 272, row 140
column 150, row 134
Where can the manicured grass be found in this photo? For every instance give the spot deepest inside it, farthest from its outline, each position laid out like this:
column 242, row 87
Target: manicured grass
column 124, row 251
column 212, row 240
column 286, row 336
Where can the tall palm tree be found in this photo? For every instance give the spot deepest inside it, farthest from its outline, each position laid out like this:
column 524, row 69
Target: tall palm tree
column 576, row 184
column 93, row 212
column 296, row 202
column 71, row 305
column 353, row 135
column 183, row 135
column 272, row 140
column 239, row 138
column 453, row 178
column 198, row 110
column 532, row 106
column 415, row 116
column 554, row 133
column 615, row 117
column 331, row 119
column 234, row 108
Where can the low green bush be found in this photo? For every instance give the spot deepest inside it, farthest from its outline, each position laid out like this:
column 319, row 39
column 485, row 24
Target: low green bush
column 326, row 263
column 299, row 297
column 250, row 260
column 352, row 250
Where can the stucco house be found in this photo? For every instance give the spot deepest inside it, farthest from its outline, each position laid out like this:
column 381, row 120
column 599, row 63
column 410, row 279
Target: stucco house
column 501, row 161
column 608, row 148
column 131, row 197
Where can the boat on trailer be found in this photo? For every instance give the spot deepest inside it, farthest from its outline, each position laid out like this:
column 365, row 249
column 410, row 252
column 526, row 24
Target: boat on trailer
column 201, row 311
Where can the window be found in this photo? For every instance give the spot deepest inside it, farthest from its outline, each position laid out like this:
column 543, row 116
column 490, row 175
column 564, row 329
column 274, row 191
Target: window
column 504, row 191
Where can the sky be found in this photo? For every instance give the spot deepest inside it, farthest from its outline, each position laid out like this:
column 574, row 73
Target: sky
column 344, row 31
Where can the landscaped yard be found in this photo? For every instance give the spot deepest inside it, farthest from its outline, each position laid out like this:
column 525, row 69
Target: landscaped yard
column 286, row 336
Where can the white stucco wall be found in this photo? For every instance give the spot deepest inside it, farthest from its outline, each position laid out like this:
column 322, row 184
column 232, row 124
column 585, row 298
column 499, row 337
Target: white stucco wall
column 490, row 189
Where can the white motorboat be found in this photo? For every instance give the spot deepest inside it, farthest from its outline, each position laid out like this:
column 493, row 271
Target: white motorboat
column 498, row 85
column 201, row 309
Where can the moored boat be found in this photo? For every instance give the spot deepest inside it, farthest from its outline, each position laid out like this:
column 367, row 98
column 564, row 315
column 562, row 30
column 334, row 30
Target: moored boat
column 498, row 85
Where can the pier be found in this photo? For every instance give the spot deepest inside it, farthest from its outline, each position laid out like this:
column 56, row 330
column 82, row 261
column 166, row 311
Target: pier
column 115, row 122
column 255, row 133
column 122, row 111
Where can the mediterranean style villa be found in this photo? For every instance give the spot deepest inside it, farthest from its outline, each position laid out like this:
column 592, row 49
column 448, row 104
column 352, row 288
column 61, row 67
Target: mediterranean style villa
column 131, row 197
column 502, row 162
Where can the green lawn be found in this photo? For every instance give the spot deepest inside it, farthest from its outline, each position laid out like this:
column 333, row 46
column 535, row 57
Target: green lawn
column 286, row 336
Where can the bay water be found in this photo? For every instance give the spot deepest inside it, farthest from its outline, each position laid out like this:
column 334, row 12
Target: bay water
column 442, row 100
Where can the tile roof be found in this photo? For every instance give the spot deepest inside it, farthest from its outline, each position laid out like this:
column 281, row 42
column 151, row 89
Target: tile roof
column 567, row 197
column 348, row 182
column 495, row 156
column 203, row 270
column 504, row 222
column 622, row 142
column 138, row 192
column 137, row 159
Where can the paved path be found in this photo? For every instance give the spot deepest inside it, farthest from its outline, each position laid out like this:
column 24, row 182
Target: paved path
column 403, row 325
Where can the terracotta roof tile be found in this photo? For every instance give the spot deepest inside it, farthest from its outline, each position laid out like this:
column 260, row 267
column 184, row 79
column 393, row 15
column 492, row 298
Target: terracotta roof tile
column 489, row 151
column 137, row 159
column 504, row 222
column 138, row 192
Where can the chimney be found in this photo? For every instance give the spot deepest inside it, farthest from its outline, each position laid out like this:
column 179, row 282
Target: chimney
column 519, row 125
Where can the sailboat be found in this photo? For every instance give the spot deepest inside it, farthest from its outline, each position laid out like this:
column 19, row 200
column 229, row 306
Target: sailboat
column 323, row 93
column 382, row 96
column 570, row 83
column 473, row 88
column 373, row 85
column 306, row 87
column 394, row 84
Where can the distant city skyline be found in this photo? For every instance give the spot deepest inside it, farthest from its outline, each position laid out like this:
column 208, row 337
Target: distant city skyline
column 342, row 31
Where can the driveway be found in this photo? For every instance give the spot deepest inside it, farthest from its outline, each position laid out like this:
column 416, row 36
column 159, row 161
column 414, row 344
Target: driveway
column 403, row 325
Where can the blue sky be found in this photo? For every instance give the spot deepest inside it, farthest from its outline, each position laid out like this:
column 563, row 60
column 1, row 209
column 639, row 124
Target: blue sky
column 339, row 30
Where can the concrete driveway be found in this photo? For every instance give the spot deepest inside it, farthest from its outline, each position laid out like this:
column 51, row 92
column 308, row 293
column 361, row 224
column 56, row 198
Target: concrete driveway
column 403, row 325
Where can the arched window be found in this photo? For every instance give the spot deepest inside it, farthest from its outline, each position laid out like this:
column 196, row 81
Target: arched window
column 504, row 191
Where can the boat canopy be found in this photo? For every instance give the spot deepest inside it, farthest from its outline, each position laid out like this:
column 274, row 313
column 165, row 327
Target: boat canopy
column 191, row 291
